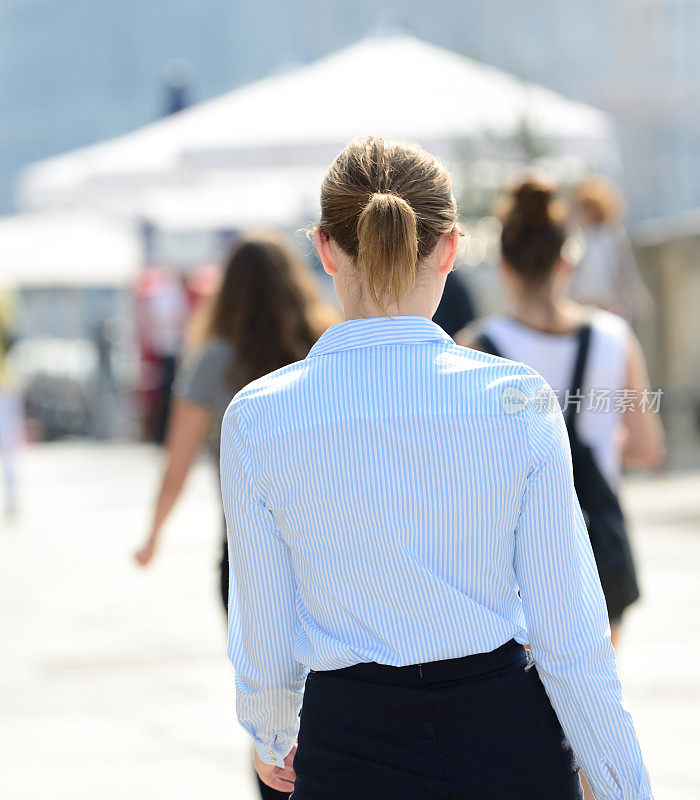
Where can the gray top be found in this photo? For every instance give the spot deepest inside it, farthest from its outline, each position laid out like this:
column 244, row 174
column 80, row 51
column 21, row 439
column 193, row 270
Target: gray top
column 202, row 379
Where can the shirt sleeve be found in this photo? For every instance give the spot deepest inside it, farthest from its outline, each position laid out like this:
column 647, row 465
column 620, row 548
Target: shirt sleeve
column 567, row 618
column 262, row 615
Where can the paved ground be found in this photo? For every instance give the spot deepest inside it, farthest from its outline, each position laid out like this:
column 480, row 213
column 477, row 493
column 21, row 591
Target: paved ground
column 114, row 682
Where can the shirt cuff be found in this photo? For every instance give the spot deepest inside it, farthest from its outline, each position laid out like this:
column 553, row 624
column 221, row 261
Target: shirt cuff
column 272, row 754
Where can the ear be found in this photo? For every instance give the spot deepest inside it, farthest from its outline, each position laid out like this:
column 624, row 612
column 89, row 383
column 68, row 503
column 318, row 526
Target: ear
column 450, row 244
column 323, row 248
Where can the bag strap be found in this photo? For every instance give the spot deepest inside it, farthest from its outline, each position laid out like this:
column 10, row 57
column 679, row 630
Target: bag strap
column 576, row 385
column 486, row 344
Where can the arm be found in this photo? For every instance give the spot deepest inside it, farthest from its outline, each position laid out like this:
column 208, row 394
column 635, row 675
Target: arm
column 186, row 430
column 643, row 436
column 262, row 611
column 567, row 619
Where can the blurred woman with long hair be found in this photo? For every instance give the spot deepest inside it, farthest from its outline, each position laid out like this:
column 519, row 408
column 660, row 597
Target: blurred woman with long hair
column 267, row 313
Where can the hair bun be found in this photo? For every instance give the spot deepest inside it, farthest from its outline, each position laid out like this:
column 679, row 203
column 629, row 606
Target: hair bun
column 531, row 202
column 533, row 227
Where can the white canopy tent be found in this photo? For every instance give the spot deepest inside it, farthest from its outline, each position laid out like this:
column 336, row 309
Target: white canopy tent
column 283, row 197
column 260, row 134
column 68, row 247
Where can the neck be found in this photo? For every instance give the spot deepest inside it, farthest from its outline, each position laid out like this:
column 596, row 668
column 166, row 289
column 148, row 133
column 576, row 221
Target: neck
column 547, row 311
column 419, row 303
column 368, row 311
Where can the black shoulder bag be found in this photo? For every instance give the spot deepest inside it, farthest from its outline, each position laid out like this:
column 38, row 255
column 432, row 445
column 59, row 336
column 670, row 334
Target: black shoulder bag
column 600, row 506
column 599, row 503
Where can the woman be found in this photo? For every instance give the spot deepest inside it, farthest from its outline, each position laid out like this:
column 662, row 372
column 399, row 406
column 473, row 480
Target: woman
column 607, row 274
column 267, row 313
column 612, row 409
column 396, row 535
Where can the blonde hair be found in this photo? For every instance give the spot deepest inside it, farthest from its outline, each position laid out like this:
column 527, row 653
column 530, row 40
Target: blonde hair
column 601, row 198
column 386, row 203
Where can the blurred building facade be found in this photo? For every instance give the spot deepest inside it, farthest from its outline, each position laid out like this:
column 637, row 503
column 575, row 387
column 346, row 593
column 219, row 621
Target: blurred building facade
column 668, row 251
column 80, row 72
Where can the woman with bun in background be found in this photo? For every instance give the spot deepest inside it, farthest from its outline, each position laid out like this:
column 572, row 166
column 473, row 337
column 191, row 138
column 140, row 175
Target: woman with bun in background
column 267, row 313
column 545, row 330
column 396, row 535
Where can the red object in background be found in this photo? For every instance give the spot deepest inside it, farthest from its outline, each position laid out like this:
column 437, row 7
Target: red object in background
column 202, row 284
column 165, row 302
column 162, row 311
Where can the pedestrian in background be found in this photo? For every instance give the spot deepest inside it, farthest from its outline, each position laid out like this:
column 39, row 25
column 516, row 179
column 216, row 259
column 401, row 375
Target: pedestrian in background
column 396, row 535
column 266, row 314
column 456, row 309
column 162, row 312
column 608, row 406
column 607, row 274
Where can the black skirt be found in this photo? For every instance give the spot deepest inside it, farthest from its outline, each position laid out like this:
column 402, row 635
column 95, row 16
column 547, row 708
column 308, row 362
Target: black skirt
column 474, row 728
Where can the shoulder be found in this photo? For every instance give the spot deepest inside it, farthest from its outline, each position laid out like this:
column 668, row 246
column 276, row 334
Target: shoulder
column 608, row 323
column 202, row 370
column 215, row 349
column 212, row 352
column 267, row 395
column 612, row 332
column 521, row 398
column 469, row 357
column 536, row 404
column 505, row 386
column 519, row 394
column 620, row 352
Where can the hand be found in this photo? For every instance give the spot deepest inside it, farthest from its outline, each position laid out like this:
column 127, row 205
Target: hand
column 279, row 778
column 144, row 555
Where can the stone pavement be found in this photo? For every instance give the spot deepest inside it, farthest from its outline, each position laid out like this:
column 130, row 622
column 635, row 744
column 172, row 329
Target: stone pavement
column 114, row 681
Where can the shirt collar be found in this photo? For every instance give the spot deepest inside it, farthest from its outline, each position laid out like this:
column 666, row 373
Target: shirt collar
column 373, row 331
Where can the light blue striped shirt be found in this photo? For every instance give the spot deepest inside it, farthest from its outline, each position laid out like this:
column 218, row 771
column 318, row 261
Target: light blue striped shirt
column 397, row 498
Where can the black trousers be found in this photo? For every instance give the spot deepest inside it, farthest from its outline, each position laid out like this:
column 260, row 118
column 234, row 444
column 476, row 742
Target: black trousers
column 474, row 728
column 265, row 792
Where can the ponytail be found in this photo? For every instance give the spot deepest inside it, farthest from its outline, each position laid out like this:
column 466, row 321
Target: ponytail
column 387, row 247
column 386, row 203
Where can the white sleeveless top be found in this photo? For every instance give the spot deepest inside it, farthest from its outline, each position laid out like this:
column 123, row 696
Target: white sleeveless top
column 553, row 355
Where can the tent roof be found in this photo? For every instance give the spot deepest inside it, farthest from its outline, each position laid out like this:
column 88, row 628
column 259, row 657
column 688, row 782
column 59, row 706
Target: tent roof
column 283, row 197
column 392, row 86
column 395, row 86
column 68, row 247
